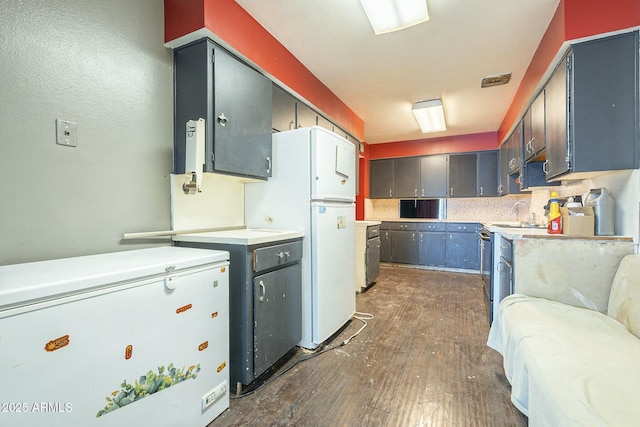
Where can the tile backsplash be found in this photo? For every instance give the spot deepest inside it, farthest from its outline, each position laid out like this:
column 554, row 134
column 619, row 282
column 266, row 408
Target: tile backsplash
column 486, row 208
column 463, row 209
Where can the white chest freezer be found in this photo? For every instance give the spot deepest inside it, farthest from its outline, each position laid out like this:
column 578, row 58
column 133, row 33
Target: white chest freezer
column 134, row 338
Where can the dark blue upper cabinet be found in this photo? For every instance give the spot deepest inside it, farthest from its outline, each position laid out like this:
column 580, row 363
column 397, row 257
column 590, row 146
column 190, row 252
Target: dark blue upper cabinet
column 236, row 102
column 592, row 109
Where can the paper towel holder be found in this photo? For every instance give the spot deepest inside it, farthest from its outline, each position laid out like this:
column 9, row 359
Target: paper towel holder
column 194, row 156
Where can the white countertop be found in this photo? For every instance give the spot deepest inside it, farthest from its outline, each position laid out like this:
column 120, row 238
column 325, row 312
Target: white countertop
column 367, row 223
column 245, row 236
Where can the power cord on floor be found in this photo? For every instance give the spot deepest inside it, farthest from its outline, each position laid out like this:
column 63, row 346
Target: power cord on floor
column 363, row 317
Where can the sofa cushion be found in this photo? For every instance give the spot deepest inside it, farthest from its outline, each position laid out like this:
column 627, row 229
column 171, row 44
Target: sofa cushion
column 568, row 366
column 624, row 300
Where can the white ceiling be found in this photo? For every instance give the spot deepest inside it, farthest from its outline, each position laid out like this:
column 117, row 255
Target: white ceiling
column 380, row 77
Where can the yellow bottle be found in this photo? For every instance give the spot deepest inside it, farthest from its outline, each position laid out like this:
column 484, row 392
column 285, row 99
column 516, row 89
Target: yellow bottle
column 555, row 219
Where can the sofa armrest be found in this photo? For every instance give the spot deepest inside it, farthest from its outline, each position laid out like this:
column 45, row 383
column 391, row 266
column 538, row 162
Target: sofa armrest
column 624, row 301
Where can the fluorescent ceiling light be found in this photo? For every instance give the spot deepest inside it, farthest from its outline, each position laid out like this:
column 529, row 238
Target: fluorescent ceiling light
column 430, row 115
column 386, row 16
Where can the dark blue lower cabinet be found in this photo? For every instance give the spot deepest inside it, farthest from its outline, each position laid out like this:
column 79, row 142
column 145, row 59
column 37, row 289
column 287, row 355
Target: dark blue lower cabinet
column 463, row 251
column 434, row 244
column 404, row 248
column 432, row 249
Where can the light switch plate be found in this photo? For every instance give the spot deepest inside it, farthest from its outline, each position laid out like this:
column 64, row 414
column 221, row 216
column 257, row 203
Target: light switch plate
column 66, row 133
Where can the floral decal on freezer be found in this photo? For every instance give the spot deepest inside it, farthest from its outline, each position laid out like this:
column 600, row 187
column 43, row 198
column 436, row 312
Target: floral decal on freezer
column 146, row 385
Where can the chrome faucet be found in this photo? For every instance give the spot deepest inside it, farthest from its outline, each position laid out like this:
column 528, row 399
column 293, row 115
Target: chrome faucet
column 531, row 218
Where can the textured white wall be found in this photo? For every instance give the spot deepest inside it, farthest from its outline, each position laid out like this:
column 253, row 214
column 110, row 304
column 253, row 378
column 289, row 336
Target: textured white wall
column 103, row 65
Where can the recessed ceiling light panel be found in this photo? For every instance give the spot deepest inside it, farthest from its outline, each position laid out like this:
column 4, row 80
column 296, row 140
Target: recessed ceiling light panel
column 496, row 80
column 430, row 115
column 386, row 16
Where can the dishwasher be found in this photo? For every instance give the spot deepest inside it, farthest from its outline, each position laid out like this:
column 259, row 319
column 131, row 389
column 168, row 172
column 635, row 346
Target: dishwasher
column 367, row 254
column 373, row 253
column 128, row 338
column 486, row 267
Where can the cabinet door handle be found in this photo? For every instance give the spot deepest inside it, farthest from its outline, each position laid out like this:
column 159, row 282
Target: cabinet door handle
column 222, row 120
column 530, row 146
column 268, row 164
column 545, row 167
column 415, row 192
column 423, row 192
column 389, row 192
column 482, row 191
column 263, row 291
column 500, row 189
column 451, row 191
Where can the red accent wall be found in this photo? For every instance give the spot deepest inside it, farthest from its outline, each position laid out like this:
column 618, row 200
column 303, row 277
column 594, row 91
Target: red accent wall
column 231, row 23
column 182, row 17
column 421, row 147
column 588, row 17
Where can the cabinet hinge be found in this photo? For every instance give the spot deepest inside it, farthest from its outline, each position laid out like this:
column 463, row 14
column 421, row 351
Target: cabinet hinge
column 213, row 55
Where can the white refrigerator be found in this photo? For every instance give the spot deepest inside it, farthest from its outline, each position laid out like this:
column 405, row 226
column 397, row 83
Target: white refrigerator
column 132, row 338
column 313, row 189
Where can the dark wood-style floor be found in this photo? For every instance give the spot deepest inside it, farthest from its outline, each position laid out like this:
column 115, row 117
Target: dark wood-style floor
column 423, row 361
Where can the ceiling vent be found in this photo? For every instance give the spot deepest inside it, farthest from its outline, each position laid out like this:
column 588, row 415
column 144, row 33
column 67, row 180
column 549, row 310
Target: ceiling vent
column 497, row 80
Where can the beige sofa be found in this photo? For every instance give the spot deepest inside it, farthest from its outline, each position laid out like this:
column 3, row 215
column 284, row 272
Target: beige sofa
column 572, row 366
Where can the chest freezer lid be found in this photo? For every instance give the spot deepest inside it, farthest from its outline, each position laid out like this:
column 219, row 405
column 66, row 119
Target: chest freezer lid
column 22, row 284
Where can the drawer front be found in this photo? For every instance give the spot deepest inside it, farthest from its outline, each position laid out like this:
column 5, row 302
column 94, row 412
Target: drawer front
column 463, row 227
column 432, row 226
column 276, row 255
column 373, row 231
column 404, row 226
column 385, row 225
